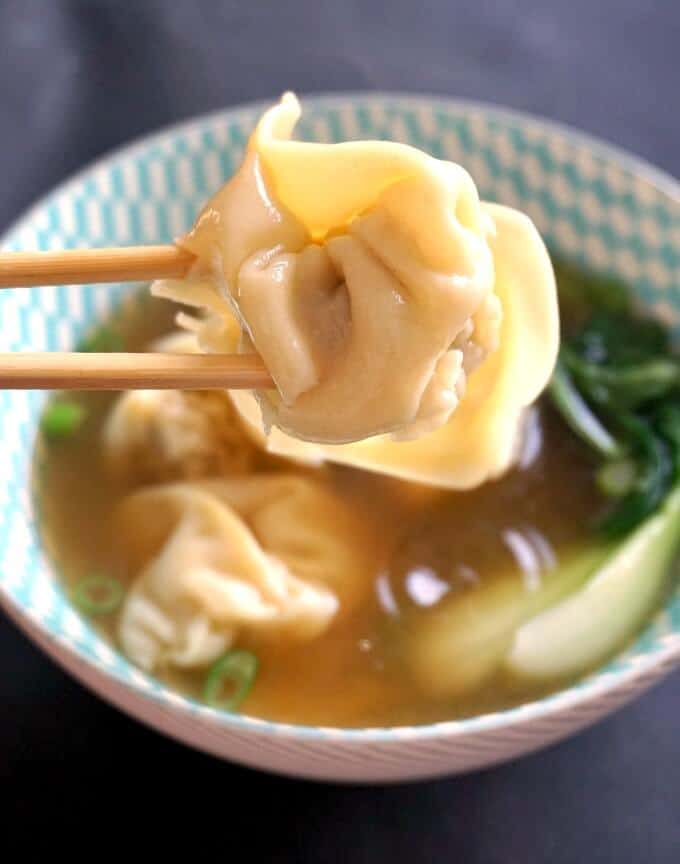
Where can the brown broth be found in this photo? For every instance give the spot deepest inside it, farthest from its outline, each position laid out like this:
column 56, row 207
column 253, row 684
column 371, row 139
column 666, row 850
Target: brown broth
column 432, row 543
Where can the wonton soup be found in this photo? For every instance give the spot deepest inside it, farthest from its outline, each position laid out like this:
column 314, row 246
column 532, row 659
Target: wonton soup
column 443, row 575
column 431, row 514
column 419, row 550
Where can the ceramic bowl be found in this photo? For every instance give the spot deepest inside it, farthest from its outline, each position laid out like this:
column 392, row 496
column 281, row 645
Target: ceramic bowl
column 592, row 203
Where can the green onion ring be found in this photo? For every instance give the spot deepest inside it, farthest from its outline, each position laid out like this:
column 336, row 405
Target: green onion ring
column 62, row 419
column 85, row 595
column 235, row 667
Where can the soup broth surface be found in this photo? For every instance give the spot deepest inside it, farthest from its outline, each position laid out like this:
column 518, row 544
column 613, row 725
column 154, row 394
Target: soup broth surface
column 431, row 547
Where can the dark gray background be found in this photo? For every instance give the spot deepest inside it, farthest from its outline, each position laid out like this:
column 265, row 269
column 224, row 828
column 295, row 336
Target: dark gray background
column 78, row 78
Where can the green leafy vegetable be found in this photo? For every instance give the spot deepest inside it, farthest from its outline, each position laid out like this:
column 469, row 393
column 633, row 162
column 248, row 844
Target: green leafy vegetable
column 590, row 625
column 578, row 415
column 617, row 386
column 463, row 642
column 616, row 477
column 234, row 672
column 667, row 421
column 653, row 477
column 62, row 419
column 97, row 595
column 618, row 338
column 624, row 386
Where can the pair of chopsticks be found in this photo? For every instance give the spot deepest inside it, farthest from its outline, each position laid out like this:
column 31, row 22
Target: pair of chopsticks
column 125, row 371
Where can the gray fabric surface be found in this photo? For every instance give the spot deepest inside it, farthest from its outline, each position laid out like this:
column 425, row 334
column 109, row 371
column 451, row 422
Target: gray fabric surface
column 79, row 78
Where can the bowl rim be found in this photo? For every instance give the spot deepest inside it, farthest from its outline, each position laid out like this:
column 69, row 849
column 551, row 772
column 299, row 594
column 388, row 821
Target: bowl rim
column 662, row 658
column 639, row 165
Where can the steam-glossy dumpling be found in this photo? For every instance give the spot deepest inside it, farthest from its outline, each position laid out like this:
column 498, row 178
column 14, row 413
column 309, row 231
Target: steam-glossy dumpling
column 482, row 439
column 363, row 273
column 152, row 436
column 266, row 554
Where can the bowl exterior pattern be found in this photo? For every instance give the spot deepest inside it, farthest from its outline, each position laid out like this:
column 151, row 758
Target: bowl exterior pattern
column 593, row 205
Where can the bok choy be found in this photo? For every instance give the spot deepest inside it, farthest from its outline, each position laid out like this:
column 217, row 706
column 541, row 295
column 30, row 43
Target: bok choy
column 617, row 385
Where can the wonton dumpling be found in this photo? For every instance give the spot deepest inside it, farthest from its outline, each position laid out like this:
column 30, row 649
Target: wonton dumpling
column 157, row 435
column 483, row 437
column 160, row 435
column 266, row 554
column 363, row 274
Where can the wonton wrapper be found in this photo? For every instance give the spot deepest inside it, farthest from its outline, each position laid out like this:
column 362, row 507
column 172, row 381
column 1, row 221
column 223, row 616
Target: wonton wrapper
column 361, row 273
column 267, row 554
column 483, row 437
column 152, row 436
column 329, row 184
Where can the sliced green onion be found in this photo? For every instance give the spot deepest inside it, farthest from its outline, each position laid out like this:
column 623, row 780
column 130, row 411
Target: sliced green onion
column 97, row 595
column 578, row 416
column 235, row 671
column 102, row 340
column 616, row 477
column 62, row 419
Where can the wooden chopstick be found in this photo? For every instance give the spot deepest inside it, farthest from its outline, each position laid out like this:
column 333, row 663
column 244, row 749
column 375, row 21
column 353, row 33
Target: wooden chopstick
column 85, row 371
column 85, row 266
column 88, row 371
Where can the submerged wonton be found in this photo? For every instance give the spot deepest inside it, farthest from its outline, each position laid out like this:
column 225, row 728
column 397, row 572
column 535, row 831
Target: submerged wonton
column 267, row 554
column 154, row 436
column 362, row 273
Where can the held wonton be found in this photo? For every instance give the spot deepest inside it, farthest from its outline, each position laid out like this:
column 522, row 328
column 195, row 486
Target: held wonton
column 265, row 554
column 483, row 437
column 363, row 273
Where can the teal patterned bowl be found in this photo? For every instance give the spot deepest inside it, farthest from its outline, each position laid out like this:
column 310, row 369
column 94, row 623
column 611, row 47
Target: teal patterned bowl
column 593, row 204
